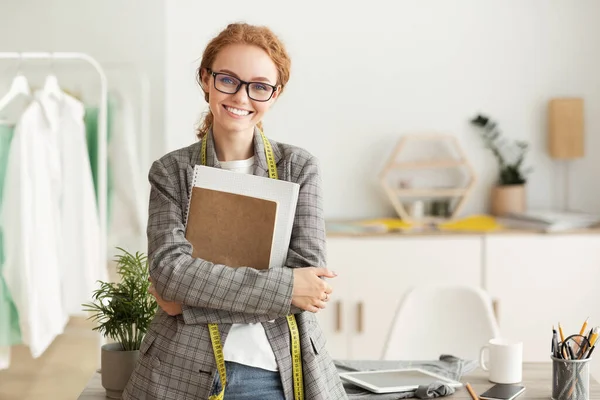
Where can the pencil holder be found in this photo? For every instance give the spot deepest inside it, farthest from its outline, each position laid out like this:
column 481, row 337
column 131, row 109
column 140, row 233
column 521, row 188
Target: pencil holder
column 570, row 379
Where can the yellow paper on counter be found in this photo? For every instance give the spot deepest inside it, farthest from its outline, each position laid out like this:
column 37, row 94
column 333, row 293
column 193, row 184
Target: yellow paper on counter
column 473, row 223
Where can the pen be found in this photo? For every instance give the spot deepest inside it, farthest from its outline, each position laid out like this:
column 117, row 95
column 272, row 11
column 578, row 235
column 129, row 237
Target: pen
column 562, row 353
column 471, row 391
column 589, row 354
column 554, row 342
column 571, row 354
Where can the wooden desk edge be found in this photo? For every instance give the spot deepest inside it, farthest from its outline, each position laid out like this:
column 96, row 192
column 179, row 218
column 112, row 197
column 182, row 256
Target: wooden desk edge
column 435, row 232
column 537, row 379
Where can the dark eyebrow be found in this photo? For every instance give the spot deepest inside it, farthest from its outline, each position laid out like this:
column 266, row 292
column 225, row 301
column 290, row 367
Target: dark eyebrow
column 256, row 79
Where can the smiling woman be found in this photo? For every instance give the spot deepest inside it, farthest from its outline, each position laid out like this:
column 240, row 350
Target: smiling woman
column 274, row 347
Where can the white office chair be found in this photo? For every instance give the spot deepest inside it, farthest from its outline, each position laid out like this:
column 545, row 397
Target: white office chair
column 441, row 319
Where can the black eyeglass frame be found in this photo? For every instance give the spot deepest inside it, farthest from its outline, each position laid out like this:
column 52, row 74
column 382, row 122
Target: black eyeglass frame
column 214, row 75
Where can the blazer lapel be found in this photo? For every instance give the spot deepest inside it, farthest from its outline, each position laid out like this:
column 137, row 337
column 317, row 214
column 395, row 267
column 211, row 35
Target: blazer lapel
column 261, row 167
column 196, row 159
column 211, row 154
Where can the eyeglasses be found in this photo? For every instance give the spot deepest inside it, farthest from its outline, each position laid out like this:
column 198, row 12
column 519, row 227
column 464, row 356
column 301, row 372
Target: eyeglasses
column 257, row 91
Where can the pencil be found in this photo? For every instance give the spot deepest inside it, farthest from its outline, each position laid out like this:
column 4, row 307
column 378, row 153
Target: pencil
column 593, row 339
column 562, row 335
column 584, row 326
column 471, row 391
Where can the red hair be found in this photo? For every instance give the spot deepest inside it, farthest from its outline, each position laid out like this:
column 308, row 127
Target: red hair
column 242, row 33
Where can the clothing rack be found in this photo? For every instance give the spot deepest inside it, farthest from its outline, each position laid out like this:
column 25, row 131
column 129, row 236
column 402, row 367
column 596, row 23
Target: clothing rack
column 143, row 83
column 102, row 127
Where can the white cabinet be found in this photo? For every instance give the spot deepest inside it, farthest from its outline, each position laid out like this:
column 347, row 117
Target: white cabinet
column 536, row 280
column 374, row 274
column 541, row 280
column 333, row 319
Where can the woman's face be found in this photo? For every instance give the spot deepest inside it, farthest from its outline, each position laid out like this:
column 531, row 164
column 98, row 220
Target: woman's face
column 237, row 112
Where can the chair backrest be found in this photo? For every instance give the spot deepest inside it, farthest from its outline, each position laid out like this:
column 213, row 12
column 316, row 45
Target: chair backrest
column 441, row 319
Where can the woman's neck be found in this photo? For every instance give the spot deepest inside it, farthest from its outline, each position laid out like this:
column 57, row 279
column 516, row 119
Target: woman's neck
column 232, row 146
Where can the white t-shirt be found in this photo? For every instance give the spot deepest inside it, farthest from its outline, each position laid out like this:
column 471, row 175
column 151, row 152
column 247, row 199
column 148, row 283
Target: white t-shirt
column 247, row 343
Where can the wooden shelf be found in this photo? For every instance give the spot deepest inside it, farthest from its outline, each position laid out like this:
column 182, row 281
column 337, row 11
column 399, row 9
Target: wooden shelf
column 394, row 164
column 429, row 164
column 453, row 192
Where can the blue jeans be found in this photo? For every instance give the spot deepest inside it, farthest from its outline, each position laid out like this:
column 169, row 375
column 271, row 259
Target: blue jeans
column 245, row 383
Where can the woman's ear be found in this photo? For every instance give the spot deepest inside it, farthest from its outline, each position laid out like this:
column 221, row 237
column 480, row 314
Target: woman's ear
column 276, row 93
column 204, row 79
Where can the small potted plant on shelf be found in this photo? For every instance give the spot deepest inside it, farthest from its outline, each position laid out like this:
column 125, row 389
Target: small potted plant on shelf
column 509, row 193
column 123, row 311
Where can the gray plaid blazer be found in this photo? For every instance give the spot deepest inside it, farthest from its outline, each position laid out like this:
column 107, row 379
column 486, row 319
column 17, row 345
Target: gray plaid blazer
column 176, row 358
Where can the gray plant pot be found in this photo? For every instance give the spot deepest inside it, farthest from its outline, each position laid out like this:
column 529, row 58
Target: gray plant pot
column 117, row 366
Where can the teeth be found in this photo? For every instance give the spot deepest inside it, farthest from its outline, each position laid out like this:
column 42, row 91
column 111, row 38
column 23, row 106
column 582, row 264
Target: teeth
column 235, row 111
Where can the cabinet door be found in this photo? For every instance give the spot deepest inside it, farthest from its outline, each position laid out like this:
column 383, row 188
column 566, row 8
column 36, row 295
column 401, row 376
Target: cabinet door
column 333, row 319
column 384, row 268
column 541, row 280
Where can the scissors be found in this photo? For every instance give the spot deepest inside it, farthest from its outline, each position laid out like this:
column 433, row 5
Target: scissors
column 574, row 347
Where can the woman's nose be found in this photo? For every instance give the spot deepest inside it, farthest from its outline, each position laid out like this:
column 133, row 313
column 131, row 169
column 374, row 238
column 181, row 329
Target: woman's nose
column 241, row 95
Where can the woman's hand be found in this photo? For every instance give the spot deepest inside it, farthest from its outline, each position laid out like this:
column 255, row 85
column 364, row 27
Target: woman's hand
column 310, row 292
column 170, row 307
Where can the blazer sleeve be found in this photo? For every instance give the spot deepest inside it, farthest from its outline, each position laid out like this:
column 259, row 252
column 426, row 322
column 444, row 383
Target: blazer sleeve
column 196, row 282
column 307, row 245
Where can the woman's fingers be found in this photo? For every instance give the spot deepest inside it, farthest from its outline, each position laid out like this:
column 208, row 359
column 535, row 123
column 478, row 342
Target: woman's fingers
column 320, row 271
column 310, row 291
column 169, row 307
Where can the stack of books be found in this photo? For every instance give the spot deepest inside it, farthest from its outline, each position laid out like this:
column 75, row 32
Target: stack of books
column 240, row 220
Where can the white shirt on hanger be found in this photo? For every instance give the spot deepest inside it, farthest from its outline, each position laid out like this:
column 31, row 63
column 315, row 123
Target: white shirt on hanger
column 30, row 219
column 79, row 220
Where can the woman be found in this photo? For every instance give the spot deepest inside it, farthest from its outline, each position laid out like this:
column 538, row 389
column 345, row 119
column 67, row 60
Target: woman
column 243, row 71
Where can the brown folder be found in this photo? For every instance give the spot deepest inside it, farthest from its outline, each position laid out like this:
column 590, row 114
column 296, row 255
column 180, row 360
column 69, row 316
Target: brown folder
column 231, row 229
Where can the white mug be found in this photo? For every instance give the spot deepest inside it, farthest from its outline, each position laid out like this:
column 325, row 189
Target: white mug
column 505, row 363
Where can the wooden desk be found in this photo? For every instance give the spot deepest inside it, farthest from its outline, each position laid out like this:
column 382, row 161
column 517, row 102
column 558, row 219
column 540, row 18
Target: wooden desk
column 536, row 378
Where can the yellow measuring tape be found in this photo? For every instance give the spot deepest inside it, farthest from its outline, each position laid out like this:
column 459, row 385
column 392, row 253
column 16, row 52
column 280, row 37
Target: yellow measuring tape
column 213, row 329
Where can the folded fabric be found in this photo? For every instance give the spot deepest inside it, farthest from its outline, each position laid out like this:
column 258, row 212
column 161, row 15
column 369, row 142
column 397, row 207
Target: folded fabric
column 447, row 366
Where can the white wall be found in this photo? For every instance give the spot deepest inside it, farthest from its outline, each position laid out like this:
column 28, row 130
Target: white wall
column 124, row 36
column 363, row 74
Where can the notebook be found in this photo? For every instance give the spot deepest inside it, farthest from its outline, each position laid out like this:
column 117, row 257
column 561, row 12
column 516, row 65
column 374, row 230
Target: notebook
column 240, row 220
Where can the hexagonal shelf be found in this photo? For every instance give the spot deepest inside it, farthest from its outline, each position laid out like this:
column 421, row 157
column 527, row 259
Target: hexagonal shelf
column 444, row 156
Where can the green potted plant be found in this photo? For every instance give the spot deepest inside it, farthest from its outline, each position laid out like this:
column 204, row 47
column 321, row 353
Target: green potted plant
column 509, row 193
column 123, row 311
